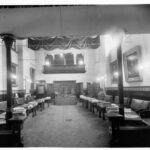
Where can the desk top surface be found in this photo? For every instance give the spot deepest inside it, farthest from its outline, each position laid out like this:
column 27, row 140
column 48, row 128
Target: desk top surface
column 18, row 119
column 128, row 115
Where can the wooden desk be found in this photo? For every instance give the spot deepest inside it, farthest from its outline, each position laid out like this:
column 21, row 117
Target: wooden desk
column 125, row 130
column 16, row 125
column 48, row 100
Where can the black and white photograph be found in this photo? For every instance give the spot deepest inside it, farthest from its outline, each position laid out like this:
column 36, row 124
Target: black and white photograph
column 74, row 74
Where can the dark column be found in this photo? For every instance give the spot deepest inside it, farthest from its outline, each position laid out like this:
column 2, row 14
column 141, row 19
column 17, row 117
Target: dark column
column 8, row 39
column 120, row 80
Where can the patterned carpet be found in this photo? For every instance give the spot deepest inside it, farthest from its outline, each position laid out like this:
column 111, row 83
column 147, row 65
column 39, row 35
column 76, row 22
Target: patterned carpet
column 65, row 100
column 65, row 126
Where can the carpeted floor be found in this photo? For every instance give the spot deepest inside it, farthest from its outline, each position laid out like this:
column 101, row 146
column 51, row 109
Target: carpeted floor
column 65, row 126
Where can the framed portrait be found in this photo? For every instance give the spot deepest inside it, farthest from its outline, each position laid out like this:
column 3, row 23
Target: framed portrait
column 114, row 71
column 132, row 61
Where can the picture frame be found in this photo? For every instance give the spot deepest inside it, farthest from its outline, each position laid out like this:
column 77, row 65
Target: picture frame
column 132, row 61
column 113, row 71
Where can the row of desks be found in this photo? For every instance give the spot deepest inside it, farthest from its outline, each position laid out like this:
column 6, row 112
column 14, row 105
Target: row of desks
column 120, row 126
column 15, row 124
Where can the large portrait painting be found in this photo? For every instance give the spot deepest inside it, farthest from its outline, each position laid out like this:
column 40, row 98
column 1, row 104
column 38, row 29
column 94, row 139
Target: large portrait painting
column 132, row 61
column 114, row 71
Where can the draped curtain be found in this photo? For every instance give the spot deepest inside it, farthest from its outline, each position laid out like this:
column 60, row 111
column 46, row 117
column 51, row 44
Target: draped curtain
column 51, row 43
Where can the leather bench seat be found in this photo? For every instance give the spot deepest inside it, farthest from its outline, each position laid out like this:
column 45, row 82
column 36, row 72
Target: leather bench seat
column 141, row 107
column 137, row 104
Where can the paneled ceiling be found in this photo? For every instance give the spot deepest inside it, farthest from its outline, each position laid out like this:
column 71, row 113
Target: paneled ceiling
column 85, row 20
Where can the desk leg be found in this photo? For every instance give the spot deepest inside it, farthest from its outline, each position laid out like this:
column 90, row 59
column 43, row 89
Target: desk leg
column 103, row 113
column 16, row 127
column 48, row 103
column 99, row 112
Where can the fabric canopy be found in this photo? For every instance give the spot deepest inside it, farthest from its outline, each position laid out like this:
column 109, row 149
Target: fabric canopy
column 51, row 43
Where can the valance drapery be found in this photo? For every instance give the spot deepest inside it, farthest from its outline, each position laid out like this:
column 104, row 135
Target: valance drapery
column 51, row 43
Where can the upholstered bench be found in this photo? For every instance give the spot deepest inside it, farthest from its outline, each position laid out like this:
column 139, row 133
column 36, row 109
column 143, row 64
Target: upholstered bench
column 142, row 107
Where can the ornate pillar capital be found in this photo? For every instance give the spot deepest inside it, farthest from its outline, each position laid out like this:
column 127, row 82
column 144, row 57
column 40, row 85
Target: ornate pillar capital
column 8, row 39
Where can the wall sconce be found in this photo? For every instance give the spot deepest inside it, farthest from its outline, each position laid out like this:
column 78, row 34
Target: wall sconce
column 61, row 54
column 13, row 76
column 143, row 66
column 116, row 74
column 47, row 63
column 100, row 78
column 81, row 62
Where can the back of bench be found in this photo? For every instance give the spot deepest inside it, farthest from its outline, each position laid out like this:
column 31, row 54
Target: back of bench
column 20, row 101
column 126, row 101
column 138, row 104
column 29, row 99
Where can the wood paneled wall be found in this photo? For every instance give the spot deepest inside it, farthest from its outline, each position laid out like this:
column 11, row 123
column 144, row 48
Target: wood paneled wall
column 142, row 92
column 3, row 94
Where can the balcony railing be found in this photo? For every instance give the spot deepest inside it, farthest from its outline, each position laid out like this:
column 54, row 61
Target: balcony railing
column 55, row 69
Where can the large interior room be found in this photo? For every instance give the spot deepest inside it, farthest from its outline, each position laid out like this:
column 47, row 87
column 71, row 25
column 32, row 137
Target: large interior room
column 75, row 76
